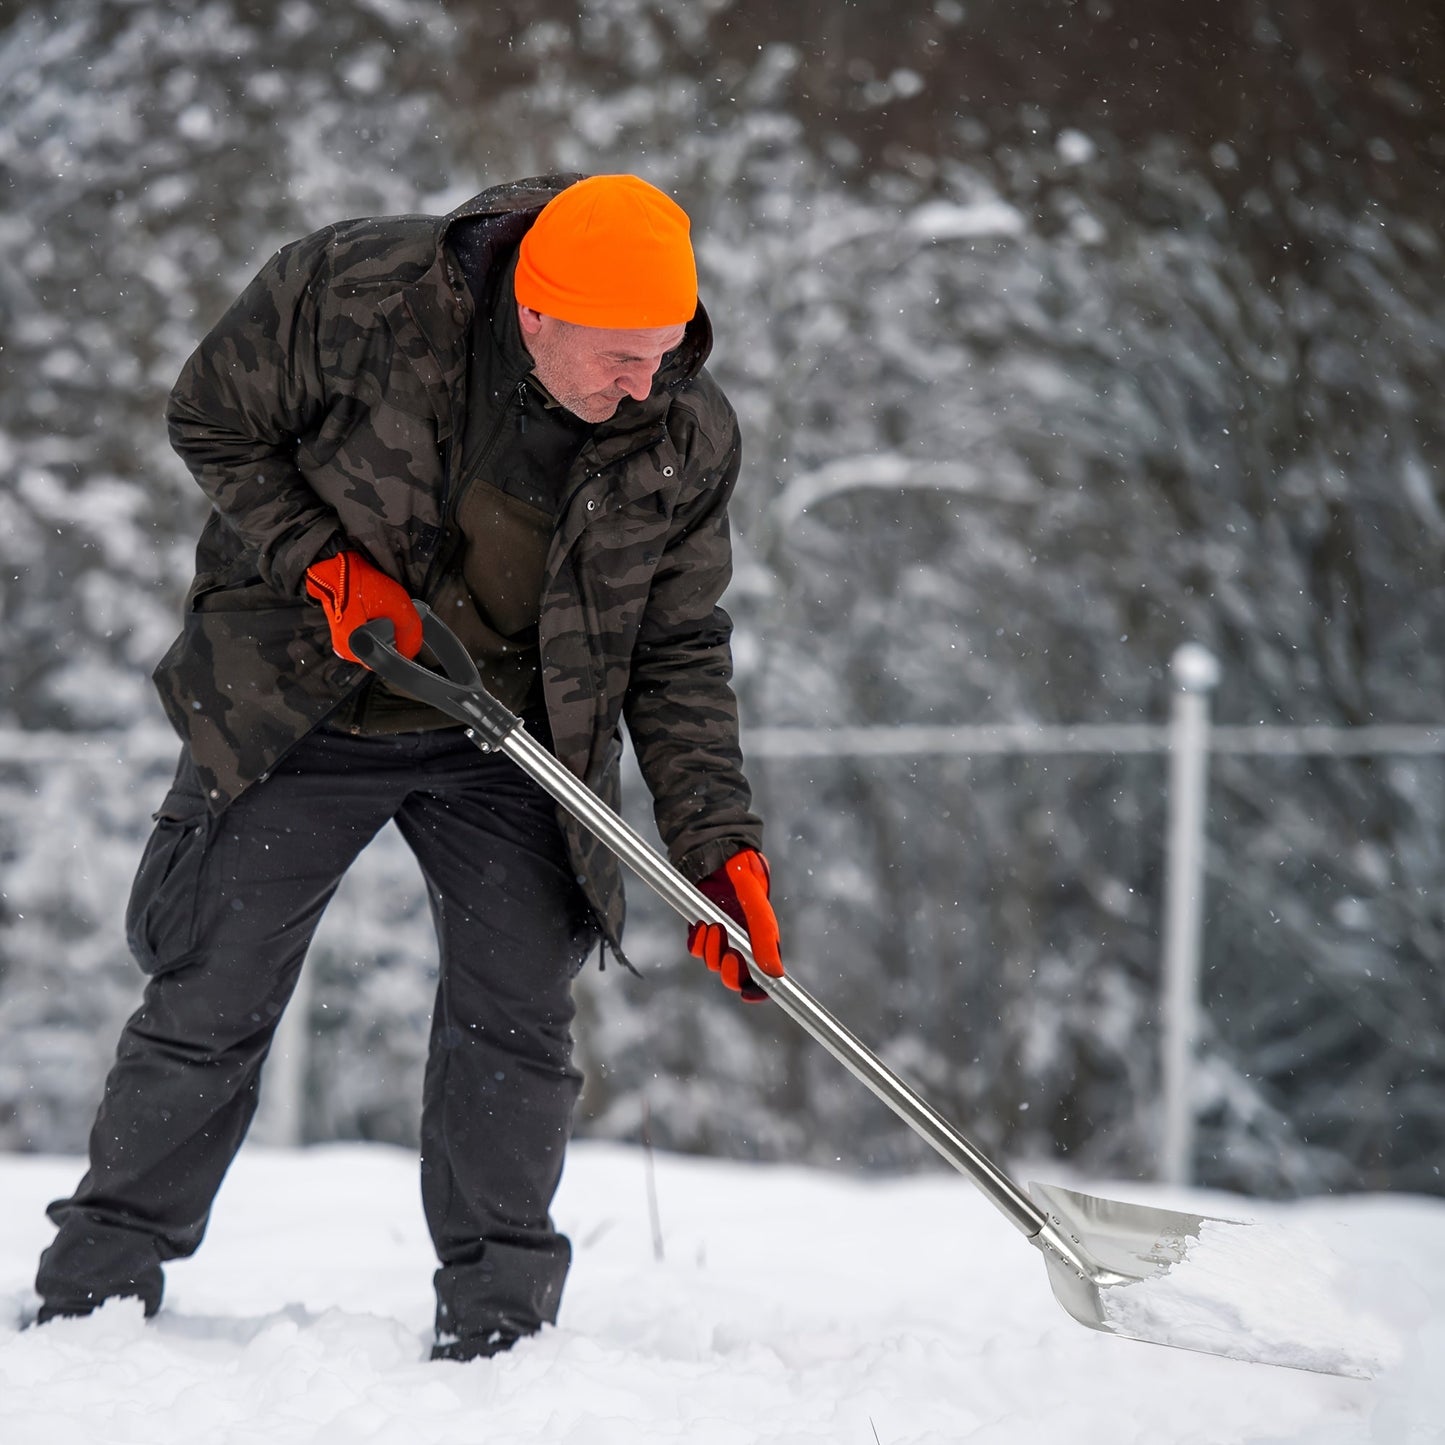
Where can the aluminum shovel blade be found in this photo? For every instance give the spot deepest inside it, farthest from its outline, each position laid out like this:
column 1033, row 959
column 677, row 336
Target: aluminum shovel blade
column 1194, row 1282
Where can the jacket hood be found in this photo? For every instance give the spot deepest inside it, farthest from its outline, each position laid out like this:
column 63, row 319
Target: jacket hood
column 513, row 197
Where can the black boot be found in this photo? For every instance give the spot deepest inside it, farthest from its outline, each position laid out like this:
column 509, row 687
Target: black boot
column 90, row 1262
column 475, row 1347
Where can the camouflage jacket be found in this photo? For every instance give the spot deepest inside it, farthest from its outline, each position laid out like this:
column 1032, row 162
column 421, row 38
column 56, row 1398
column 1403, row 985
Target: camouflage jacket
column 329, row 400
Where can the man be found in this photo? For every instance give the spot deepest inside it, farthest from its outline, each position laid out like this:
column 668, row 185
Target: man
column 503, row 412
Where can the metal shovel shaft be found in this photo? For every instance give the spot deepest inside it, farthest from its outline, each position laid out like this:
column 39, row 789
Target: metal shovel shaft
column 790, row 996
column 459, row 692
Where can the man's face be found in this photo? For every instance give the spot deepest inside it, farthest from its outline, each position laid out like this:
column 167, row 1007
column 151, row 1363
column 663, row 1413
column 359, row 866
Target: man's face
column 589, row 369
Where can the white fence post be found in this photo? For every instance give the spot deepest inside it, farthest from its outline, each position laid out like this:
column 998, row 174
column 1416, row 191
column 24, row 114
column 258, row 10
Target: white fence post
column 1195, row 673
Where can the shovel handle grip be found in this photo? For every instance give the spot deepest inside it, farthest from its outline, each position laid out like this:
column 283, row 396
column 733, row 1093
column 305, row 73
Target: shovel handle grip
column 457, row 690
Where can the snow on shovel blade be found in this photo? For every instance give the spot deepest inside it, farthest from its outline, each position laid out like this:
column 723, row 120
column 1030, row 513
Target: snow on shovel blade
column 1220, row 1286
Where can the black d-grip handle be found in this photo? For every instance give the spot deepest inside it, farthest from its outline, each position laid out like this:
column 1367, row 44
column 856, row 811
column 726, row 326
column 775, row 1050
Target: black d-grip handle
column 457, row 690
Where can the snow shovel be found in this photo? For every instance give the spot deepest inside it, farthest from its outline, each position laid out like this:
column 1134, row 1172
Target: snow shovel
column 1103, row 1257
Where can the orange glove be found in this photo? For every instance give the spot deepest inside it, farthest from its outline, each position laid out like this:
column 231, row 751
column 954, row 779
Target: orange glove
column 352, row 591
column 740, row 889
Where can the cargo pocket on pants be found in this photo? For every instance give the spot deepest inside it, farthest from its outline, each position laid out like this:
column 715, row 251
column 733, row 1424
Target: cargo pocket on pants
column 160, row 918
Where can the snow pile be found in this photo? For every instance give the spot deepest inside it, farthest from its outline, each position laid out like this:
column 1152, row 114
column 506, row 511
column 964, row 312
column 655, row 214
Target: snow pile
column 785, row 1305
column 1270, row 1293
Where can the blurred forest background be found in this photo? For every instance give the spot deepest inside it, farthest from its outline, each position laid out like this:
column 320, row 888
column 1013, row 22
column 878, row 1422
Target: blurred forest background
column 1062, row 333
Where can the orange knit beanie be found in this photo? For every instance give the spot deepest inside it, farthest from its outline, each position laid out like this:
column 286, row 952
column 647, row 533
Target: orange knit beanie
column 609, row 251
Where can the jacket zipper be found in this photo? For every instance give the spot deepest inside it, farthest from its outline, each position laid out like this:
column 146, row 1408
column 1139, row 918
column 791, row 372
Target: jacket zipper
column 454, row 499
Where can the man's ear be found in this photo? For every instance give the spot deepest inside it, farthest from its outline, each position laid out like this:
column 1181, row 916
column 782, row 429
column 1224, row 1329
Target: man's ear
column 529, row 320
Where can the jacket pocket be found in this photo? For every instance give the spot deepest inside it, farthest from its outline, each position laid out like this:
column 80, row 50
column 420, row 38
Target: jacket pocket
column 160, row 918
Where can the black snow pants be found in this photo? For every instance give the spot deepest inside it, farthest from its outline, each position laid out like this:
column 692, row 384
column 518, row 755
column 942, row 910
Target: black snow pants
column 221, row 914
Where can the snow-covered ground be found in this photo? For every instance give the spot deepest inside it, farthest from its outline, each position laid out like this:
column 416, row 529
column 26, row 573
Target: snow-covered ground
column 786, row 1305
